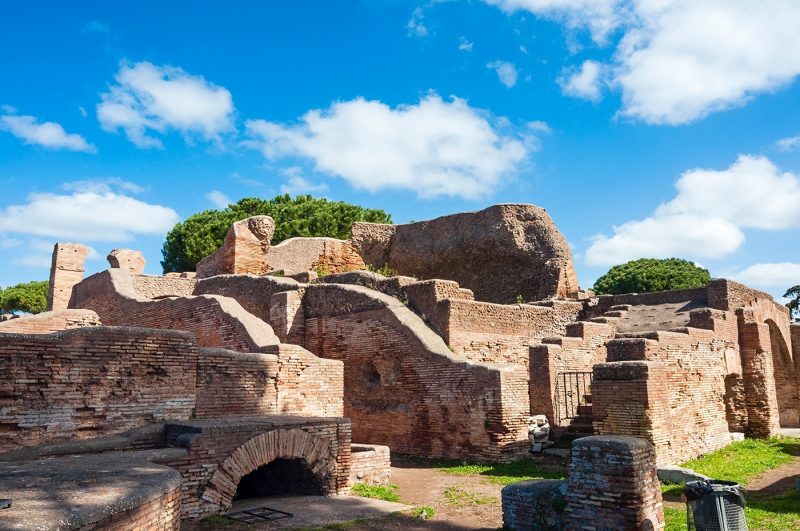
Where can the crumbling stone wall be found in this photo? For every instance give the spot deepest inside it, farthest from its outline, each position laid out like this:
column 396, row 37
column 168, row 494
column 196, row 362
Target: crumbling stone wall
column 158, row 287
column 526, row 254
column 370, row 464
column 251, row 291
column 242, row 251
column 129, row 259
column 405, row 389
column 87, row 382
column 322, row 255
column 46, row 322
column 66, row 271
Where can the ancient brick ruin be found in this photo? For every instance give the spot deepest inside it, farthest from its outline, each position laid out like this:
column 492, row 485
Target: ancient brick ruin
column 210, row 376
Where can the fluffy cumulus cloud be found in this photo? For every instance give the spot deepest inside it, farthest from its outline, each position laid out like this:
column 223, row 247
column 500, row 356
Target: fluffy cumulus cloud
column 47, row 134
column 676, row 61
column 705, row 218
column 434, row 148
column 86, row 214
column 781, row 275
column 148, row 98
column 506, row 72
column 218, row 199
column 583, row 82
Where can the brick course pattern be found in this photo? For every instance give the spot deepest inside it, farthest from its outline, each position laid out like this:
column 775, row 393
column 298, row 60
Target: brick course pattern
column 160, row 514
column 220, row 453
column 613, row 484
column 87, row 382
column 251, row 291
column 47, row 322
column 66, row 271
column 405, row 389
column 536, row 505
column 321, row 255
column 370, row 464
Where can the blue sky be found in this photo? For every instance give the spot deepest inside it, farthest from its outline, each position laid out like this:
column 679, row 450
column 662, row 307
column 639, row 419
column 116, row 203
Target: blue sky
column 649, row 128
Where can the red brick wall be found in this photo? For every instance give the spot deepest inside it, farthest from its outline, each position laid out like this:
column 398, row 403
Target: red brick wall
column 371, row 464
column 47, row 322
column 403, row 388
column 66, row 270
column 252, row 292
column 88, row 382
column 160, row 514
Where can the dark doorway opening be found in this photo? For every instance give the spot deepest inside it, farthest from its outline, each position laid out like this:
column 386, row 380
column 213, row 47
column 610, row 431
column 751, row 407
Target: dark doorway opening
column 278, row 477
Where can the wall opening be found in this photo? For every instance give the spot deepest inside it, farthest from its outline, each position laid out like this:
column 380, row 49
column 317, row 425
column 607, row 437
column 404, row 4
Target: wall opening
column 279, row 477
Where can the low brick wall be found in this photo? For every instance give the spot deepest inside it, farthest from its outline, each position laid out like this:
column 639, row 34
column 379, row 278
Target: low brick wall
column 370, row 464
column 160, row 514
column 534, row 505
column 88, row 382
column 47, row 322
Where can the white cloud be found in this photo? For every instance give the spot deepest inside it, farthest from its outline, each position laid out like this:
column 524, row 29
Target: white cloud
column 705, row 218
column 47, row 134
column 464, row 45
column 8, row 243
column 102, row 185
column 583, row 83
column 770, row 275
column 416, row 24
column 789, row 143
column 297, row 184
column 218, row 199
column 86, row 216
column 506, row 72
column 679, row 60
column 434, row 148
column 540, row 126
column 158, row 98
column 599, row 17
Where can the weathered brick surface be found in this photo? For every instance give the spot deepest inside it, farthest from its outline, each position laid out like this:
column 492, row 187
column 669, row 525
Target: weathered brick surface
column 220, row 454
column 613, row 484
column 242, row 251
column 66, row 271
column 759, row 383
column 128, row 259
column 322, row 255
column 157, row 287
column 92, row 381
column 160, row 514
column 534, row 505
column 251, row 291
column 402, row 386
column 47, row 322
column 287, row 316
column 370, row 464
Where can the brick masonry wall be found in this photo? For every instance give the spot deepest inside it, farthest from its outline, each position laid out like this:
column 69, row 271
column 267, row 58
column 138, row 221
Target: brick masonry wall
column 66, row 270
column 403, row 388
column 88, row 382
column 370, row 464
column 577, row 352
column 287, row 316
column 694, row 420
column 324, row 255
column 534, row 504
column 613, row 484
column 759, row 383
column 155, row 287
column 251, row 291
column 47, row 322
column 217, row 322
column 218, row 458
column 160, row 514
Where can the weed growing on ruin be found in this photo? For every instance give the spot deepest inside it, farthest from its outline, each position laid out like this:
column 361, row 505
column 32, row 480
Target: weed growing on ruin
column 520, row 299
column 322, row 270
column 426, row 513
column 501, row 473
column 388, row 493
column 458, row 497
column 384, row 270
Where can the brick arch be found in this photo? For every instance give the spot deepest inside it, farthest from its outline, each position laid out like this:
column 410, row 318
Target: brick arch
column 263, row 449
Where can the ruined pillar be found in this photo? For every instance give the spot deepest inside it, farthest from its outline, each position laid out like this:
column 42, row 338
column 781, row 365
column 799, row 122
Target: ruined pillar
column 243, row 251
column 613, row 484
column 761, row 398
column 128, row 259
column 65, row 271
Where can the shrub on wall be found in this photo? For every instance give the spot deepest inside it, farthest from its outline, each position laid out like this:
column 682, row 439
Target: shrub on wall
column 651, row 274
column 201, row 234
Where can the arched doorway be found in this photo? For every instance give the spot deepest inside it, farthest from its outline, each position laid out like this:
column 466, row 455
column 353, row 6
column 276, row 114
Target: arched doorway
column 277, row 462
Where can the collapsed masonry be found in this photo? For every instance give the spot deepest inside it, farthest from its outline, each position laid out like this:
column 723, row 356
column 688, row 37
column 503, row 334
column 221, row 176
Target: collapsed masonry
column 439, row 365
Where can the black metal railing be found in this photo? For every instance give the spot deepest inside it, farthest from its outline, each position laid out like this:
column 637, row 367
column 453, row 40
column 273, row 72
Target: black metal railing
column 571, row 391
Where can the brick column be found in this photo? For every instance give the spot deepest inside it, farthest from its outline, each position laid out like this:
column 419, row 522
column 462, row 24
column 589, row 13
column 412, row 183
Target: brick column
column 65, row 271
column 613, row 484
column 759, row 380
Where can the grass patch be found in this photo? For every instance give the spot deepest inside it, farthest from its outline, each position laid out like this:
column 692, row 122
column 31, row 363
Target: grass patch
column 218, row 521
column 458, row 497
column 740, row 461
column 426, row 513
column 775, row 513
column 501, row 473
column 387, row 493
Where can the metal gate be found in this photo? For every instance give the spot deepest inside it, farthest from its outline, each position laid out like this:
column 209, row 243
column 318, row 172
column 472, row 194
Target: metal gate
column 571, row 391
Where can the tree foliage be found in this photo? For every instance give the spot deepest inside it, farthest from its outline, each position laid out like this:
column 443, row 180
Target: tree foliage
column 201, row 234
column 651, row 274
column 29, row 297
column 793, row 293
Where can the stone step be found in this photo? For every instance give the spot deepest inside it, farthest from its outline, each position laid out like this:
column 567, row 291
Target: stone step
column 615, row 313
column 605, row 320
column 621, row 307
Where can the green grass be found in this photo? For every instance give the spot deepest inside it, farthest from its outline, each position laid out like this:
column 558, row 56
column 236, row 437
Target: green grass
column 741, row 461
column 426, row 513
column 501, row 473
column 458, row 497
column 776, row 513
column 387, row 493
column 218, row 521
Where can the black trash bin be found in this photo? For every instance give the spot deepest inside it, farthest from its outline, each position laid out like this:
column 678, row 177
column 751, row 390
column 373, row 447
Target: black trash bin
column 714, row 505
